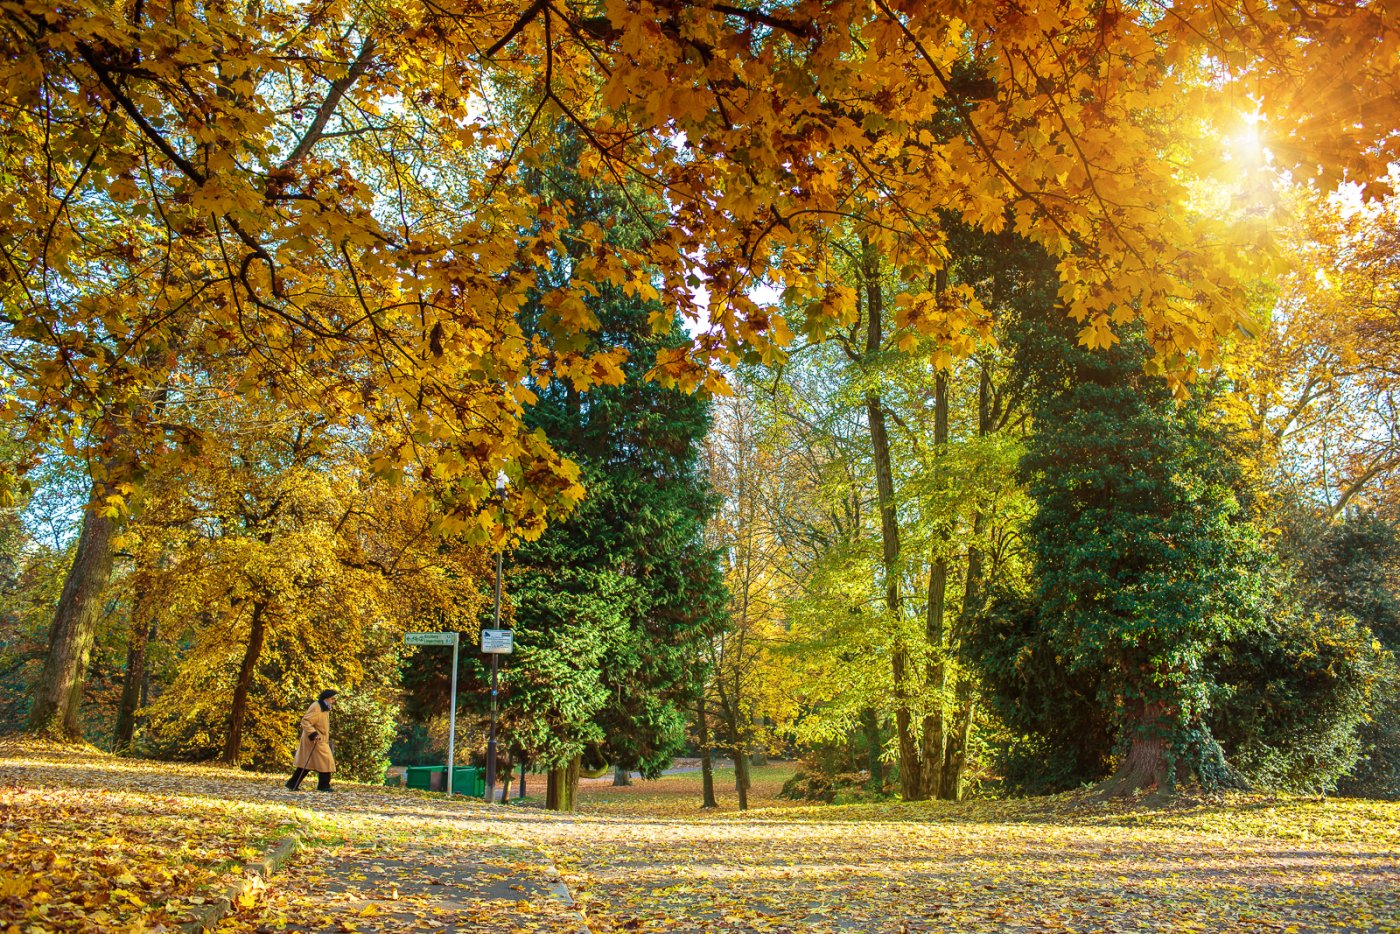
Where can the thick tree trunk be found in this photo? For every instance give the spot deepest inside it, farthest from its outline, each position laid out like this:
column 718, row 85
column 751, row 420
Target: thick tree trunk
column 707, row 762
column 506, row 769
column 239, row 709
column 622, row 776
column 59, row 691
column 870, row 726
column 1145, row 764
column 561, row 790
column 133, row 681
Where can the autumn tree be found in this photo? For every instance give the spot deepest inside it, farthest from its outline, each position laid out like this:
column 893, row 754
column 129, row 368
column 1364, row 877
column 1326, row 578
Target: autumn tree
column 1317, row 388
column 749, row 685
column 331, row 202
column 282, row 565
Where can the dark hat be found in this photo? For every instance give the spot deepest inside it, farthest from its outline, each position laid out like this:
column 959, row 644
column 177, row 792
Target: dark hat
column 328, row 692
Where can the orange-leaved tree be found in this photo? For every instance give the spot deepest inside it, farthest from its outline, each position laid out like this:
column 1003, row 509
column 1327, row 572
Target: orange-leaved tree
column 325, row 196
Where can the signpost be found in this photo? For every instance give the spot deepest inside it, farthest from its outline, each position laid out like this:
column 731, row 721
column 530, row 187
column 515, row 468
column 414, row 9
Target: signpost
column 430, row 638
column 444, row 638
column 497, row 641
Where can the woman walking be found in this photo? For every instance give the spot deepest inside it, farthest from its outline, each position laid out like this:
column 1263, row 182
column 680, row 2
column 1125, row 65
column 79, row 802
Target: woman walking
column 314, row 748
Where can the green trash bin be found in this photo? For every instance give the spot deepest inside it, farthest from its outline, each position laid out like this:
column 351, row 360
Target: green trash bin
column 427, row 777
column 468, row 780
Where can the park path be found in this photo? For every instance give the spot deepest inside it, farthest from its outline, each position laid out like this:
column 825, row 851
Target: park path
column 391, row 861
column 795, row 871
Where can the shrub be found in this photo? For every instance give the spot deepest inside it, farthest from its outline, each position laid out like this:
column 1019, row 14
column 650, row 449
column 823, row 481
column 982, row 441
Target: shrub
column 362, row 730
column 1294, row 698
column 1377, row 774
column 841, row 788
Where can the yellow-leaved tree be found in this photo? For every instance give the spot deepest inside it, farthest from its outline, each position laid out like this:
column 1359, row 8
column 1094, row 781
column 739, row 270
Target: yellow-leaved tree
column 276, row 564
column 324, row 198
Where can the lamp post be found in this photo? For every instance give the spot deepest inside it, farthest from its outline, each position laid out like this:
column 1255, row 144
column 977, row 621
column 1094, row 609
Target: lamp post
column 491, row 737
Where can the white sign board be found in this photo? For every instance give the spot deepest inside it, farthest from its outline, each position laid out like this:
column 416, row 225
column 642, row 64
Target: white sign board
column 430, row 638
column 497, row 641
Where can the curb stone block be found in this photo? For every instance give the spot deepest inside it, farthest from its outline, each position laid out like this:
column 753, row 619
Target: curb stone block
column 555, row 883
column 254, row 880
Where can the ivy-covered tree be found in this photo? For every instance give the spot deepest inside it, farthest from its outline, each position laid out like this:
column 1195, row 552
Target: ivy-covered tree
column 1144, row 560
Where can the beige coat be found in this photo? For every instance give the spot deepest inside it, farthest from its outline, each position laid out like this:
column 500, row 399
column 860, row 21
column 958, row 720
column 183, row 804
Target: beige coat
column 315, row 753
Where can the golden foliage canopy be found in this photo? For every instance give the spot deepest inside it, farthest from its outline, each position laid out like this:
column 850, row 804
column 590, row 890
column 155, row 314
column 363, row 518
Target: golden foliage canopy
column 326, row 195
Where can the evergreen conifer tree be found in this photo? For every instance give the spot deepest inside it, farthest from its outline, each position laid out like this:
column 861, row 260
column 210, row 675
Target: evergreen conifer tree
column 608, row 604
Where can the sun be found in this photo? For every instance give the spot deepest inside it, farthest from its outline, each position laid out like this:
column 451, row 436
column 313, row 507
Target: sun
column 1248, row 144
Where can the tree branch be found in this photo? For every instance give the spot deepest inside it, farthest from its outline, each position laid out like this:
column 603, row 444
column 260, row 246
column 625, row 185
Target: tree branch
column 328, row 106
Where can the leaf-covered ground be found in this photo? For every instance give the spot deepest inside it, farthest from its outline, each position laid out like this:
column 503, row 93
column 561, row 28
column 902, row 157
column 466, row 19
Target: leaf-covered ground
column 89, row 842
column 645, row 858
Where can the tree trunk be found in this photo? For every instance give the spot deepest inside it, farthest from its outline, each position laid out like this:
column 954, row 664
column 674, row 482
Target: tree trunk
column 561, row 789
column 133, row 681
column 1145, row 765
column 955, row 761
column 239, row 709
column 742, row 779
column 972, row 593
column 505, row 784
column 622, row 777
column 737, row 750
column 959, row 734
column 707, row 762
column 910, row 774
column 934, row 740
column 59, row 690
column 146, row 669
column 870, row 725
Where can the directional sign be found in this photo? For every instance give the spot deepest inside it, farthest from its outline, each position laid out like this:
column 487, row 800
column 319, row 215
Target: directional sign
column 430, row 638
column 497, row 641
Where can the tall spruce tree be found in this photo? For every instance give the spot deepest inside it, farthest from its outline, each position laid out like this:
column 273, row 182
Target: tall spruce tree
column 609, row 603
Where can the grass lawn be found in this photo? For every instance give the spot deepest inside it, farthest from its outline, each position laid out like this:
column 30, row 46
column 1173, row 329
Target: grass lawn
column 671, row 795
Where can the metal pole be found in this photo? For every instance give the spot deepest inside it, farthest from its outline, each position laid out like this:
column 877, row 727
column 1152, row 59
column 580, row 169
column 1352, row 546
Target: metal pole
column 452, row 719
column 491, row 741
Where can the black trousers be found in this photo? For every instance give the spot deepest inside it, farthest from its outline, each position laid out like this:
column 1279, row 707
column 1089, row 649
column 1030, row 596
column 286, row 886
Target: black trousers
column 323, row 780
